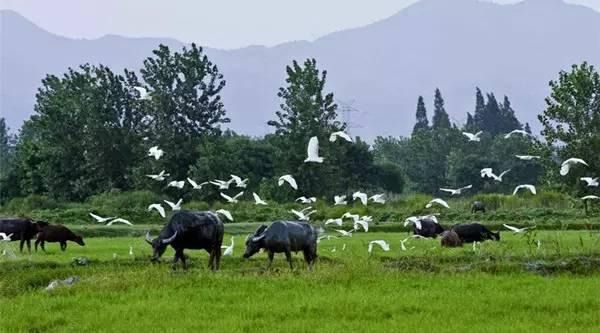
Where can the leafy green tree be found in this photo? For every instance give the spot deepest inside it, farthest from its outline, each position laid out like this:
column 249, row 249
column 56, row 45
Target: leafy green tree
column 422, row 123
column 571, row 121
column 440, row 116
column 479, row 114
column 390, row 150
column 7, row 142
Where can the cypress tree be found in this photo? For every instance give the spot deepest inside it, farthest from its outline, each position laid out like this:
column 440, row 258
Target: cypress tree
column 422, row 123
column 440, row 116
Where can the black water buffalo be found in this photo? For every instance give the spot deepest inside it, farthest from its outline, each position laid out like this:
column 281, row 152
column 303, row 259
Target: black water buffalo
column 190, row 230
column 22, row 230
column 477, row 206
column 429, row 228
column 286, row 237
column 56, row 233
column 450, row 239
column 475, row 232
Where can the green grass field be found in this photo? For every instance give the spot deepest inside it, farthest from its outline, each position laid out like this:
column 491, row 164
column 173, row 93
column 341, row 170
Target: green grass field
column 510, row 285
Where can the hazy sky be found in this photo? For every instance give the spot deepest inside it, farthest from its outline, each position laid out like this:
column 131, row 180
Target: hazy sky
column 214, row 23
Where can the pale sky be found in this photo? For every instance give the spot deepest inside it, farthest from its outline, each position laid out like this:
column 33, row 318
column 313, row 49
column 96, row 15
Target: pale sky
column 214, row 23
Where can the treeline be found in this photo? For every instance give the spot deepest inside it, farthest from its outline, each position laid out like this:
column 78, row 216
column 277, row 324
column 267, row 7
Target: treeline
column 92, row 128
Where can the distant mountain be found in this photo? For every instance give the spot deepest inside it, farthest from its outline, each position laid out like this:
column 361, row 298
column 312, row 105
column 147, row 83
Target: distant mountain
column 455, row 45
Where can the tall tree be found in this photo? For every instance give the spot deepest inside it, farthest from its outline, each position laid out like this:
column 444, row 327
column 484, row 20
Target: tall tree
column 509, row 119
column 440, row 116
column 479, row 113
column 422, row 123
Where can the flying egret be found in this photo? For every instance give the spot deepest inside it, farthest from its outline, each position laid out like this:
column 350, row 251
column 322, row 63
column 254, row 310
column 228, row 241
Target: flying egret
column 508, row 135
column 312, row 151
column 303, row 215
column 565, row 167
column 527, row 157
column 100, row 219
column 196, row 186
column 177, row 184
column 337, row 222
column 345, row 233
column 363, row 223
column 239, row 182
column 378, row 198
column 305, row 200
column 158, row 207
column 437, row 201
column 457, row 191
column 144, row 95
column 487, row 172
column 360, row 195
column 414, row 220
column 333, row 137
column 339, row 200
column 174, row 206
column 118, row 220
column 4, row 237
column 327, row 237
column 221, row 184
column 230, row 199
column 516, row 230
column 590, row 197
column 591, row 182
column 287, row 179
column 258, row 200
column 473, row 137
column 531, row 188
column 228, row 249
column 225, row 213
column 155, row 152
column 383, row 244
column 160, row 177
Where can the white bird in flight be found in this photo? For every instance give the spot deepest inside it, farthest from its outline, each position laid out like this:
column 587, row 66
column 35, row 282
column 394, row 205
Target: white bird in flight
column 239, row 182
column 177, row 184
column 345, row 233
column 5, row 237
column 531, row 188
column 228, row 249
column 360, row 195
column 378, row 198
column 174, row 206
column 158, row 207
column 339, row 200
column 590, row 197
column 333, row 137
column 437, row 201
column 287, row 179
column 515, row 229
column 221, row 184
column 312, row 151
column 414, row 220
column 508, row 135
column 101, row 219
column 457, row 191
column 487, row 172
column 566, row 165
column 306, row 200
column 591, row 182
column 156, row 152
column 258, row 200
column 337, row 222
column 225, row 213
column 230, row 199
column 118, row 220
column 527, row 157
column 383, row 244
column 196, row 186
column 363, row 223
column 473, row 137
column 144, row 95
column 303, row 215
column 160, row 177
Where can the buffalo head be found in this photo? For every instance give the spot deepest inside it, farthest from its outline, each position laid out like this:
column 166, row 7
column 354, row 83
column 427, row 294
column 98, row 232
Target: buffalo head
column 159, row 244
column 255, row 242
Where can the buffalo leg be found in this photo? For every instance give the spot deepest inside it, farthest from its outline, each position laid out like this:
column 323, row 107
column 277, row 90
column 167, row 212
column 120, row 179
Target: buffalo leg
column 211, row 259
column 218, row 259
column 37, row 241
column 63, row 246
column 43, row 245
column 29, row 246
column 308, row 258
column 183, row 260
column 288, row 257
column 21, row 245
column 271, row 255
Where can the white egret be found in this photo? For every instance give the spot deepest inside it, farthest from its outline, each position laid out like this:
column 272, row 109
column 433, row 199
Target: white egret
column 437, row 201
column 378, row 198
column 565, row 167
column 591, row 182
column 590, row 197
column 156, row 152
column 225, row 213
column 118, row 220
column 363, row 223
column 531, row 188
column 473, row 137
column 516, row 230
column 174, row 206
column 339, row 200
column 230, row 199
column 414, row 220
column 527, row 157
column 360, row 195
column 177, row 184
column 158, row 207
column 239, row 182
column 4, row 237
column 287, row 179
column 457, row 191
column 160, row 177
column 383, row 244
column 312, row 151
column 258, row 200
column 100, row 219
column 508, row 135
column 337, row 222
column 144, row 95
column 345, row 233
column 305, row 200
column 228, row 249
column 303, row 215
column 196, row 186
column 487, row 172
column 342, row 135
column 221, row 184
